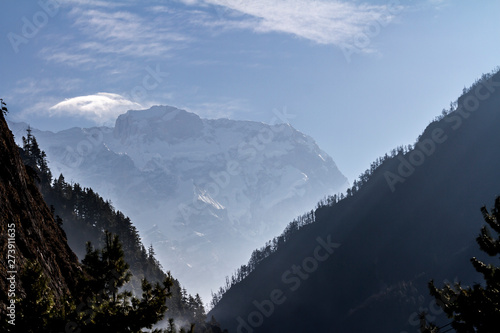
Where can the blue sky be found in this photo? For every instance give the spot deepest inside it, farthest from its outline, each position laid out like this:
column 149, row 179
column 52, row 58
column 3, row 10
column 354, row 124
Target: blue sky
column 360, row 77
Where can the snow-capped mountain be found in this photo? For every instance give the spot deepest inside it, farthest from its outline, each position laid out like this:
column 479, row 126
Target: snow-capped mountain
column 203, row 192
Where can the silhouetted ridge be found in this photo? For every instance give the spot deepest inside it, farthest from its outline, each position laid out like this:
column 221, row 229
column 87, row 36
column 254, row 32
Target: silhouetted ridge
column 408, row 218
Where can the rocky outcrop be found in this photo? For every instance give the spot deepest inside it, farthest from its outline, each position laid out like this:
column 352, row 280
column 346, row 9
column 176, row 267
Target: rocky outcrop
column 28, row 225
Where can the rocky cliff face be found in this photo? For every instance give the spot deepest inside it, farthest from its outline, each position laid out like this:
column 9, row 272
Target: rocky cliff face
column 28, row 225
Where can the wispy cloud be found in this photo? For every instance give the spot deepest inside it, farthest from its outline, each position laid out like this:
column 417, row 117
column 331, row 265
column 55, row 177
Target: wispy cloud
column 117, row 30
column 68, row 57
column 321, row 21
column 125, row 33
column 101, row 108
column 31, row 87
column 95, row 3
column 114, row 40
column 121, row 29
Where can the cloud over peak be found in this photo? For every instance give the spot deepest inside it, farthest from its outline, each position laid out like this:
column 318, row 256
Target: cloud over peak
column 101, row 108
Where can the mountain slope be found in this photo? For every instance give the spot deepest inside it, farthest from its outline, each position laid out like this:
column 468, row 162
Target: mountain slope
column 87, row 217
column 40, row 239
column 26, row 218
column 203, row 192
column 416, row 218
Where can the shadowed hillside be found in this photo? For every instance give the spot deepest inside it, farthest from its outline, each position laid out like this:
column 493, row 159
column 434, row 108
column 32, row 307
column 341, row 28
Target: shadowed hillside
column 27, row 222
column 414, row 219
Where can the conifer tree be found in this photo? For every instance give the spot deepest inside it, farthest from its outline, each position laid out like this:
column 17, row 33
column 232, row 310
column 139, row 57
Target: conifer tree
column 27, row 141
column 107, row 267
column 36, row 158
column 3, row 107
column 476, row 308
column 37, row 308
column 109, row 309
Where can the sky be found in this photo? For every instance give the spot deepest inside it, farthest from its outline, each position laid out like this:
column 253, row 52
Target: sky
column 360, row 77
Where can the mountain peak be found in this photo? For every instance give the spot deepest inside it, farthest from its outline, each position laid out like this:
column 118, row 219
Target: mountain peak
column 165, row 123
column 155, row 112
column 209, row 185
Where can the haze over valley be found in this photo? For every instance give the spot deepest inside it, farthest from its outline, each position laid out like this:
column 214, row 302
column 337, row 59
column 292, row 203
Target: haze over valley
column 204, row 193
column 209, row 166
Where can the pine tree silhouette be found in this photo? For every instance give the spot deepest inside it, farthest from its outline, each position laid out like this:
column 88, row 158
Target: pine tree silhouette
column 3, row 107
column 476, row 308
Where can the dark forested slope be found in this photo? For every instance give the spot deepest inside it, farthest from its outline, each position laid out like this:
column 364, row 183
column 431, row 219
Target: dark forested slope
column 28, row 225
column 364, row 264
